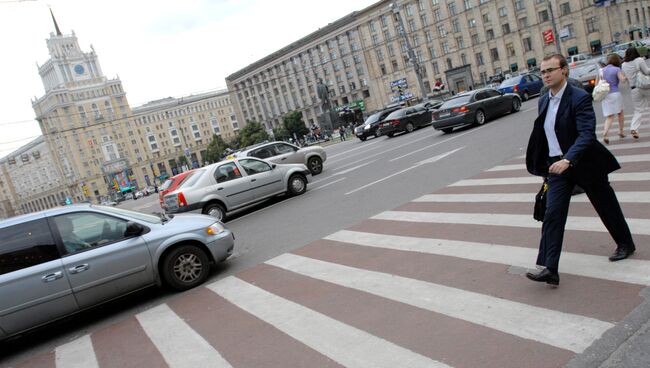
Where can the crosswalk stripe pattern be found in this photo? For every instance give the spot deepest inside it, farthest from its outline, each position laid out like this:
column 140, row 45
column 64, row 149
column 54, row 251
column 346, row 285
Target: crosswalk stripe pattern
column 437, row 282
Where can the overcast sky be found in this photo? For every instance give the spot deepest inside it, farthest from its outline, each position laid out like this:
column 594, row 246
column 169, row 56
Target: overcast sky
column 157, row 48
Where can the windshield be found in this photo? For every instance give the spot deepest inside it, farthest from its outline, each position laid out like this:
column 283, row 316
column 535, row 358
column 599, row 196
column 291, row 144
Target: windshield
column 457, row 101
column 510, row 82
column 192, row 178
column 372, row 118
column 136, row 215
column 583, row 70
column 166, row 184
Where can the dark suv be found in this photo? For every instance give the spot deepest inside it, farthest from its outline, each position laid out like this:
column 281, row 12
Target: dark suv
column 405, row 120
column 371, row 126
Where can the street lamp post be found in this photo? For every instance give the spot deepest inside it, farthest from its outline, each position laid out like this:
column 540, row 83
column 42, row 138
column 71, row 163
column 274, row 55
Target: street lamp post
column 411, row 53
column 557, row 35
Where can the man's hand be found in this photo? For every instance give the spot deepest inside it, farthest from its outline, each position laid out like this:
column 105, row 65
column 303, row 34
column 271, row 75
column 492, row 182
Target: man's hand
column 559, row 167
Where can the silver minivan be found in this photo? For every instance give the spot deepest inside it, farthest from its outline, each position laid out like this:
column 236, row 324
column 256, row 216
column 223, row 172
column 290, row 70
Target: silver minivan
column 60, row 261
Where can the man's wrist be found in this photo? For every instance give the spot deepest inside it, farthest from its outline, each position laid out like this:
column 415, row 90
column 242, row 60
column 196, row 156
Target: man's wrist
column 567, row 162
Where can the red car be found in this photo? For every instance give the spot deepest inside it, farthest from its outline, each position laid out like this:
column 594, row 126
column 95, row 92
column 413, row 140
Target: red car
column 171, row 184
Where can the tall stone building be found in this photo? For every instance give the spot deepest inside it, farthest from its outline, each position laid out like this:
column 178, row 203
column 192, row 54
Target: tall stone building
column 95, row 144
column 458, row 43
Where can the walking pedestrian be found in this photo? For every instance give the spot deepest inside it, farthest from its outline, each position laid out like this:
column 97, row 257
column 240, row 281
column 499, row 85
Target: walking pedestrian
column 564, row 149
column 342, row 133
column 613, row 103
column 633, row 64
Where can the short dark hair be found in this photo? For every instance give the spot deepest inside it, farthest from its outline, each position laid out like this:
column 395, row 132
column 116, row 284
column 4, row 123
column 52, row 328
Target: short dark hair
column 560, row 58
column 631, row 53
column 614, row 59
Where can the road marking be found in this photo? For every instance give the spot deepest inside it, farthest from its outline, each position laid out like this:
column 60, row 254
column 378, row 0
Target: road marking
column 563, row 330
column 580, row 223
column 621, row 159
column 427, row 161
column 352, row 168
column 347, row 345
column 623, row 197
column 78, row 353
column 435, row 144
column 632, row 271
column 351, row 150
column 531, row 109
column 178, row 343
column 637, row 176
column 427, row 136
column 327, row 185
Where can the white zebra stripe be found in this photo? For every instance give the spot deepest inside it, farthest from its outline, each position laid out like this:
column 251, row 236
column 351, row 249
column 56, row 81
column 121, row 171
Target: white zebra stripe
column 342, row 343
column 563, row 330
column 637, row 226
column 631, row 271
column 78, row 353
column 621, row 159
column 636, row 176
column 179, row 344
column 623, row 197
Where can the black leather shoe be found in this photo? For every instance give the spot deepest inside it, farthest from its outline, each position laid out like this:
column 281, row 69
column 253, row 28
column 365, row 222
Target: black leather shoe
column 621, row 253
column 549, row 277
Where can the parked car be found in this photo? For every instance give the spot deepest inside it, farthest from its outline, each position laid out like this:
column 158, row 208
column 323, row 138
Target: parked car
column 525, row 85
column 576, row 59
column 286, row 153
column 371, row 126
column 641, row 47
column 432, row 104
column 405, row 120
column 139, row 194
column 233, row 184
column 474, row 107
column 587, row 74
column 60, row 261
column 108, row 202
column 128, row 196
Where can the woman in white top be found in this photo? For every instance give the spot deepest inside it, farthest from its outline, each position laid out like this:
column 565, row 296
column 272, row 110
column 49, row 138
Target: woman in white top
column 613, row 103
column 634, row 64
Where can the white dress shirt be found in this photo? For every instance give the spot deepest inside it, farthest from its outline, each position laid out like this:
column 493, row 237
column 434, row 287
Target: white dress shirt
column 549, row 123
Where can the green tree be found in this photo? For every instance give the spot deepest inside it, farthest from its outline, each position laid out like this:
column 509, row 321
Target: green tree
column 182, row 160
column 280, row 133
column 252, row 133
column 293, row 123
column 215, row 149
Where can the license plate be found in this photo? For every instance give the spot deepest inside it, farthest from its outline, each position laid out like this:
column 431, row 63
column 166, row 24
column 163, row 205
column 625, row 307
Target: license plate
column 445, row 114
column 171, row 203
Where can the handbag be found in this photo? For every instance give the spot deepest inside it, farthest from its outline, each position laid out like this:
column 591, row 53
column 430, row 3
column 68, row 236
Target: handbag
column 540, row 202
column 601, row 90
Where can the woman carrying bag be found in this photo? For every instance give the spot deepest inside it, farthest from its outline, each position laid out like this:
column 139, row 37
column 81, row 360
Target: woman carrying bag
column 638, row 73
column 613, row 102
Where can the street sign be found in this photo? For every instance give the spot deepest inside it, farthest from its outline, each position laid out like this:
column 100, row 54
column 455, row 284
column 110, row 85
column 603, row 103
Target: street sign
column 398, row 83
column 359, row 103
column 187, row 152
column 548, row 36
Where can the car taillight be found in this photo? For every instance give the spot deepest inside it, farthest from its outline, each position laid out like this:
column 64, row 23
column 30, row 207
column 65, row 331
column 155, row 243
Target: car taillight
column 181, row 200
column 460, row 109
column 515, row 88
column 395, row 122
column 592, row 82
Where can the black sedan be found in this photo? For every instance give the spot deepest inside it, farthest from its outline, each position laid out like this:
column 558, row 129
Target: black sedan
column 474, row 107
column 406, row 120
column 371, row 126
column 586, row 74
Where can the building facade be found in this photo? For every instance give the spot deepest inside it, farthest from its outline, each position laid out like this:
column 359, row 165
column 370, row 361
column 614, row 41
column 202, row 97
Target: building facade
column 457, row 43
column 95, row 145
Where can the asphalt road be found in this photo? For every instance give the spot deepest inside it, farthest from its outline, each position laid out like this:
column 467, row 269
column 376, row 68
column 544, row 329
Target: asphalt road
column 360, row 179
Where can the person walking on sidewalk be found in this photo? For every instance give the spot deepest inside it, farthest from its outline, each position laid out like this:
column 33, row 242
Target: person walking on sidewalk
column 634, row 64
column 342, row 133
column 613, row 103
column 563, row 148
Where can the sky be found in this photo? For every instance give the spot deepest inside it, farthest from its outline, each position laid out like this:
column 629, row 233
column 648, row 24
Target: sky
column 157, row 48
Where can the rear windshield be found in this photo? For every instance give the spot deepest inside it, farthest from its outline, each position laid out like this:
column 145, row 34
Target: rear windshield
column 510, row 82
column 192, row 178
column 458, row 101
column 395, row 114
column 166, row 184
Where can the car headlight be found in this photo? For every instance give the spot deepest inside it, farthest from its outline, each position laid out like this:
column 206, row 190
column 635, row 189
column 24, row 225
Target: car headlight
column 367, row 127
column 215, row 229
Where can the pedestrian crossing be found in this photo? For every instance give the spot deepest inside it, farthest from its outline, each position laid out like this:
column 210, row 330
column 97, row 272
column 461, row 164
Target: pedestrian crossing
column 436, row 282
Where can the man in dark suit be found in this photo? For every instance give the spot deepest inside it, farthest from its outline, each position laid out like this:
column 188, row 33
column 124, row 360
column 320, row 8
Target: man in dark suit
column 563, row 147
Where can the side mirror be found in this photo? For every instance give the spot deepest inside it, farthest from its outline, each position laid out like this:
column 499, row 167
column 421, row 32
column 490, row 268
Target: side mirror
column 133, row 229
column 273, row 166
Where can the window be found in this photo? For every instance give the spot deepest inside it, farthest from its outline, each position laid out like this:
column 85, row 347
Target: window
column 436, row 15
column 467, row 4
column 471, row 23
column 375, row 40
column 494, row 53
column 441, row 31
column 463, row 59
column 409, row 10
column 528, row 45
column 592, row 24
column 475, row 39
column 503, row 11
column 436, row 68
column 26, row 245
column 520, row 5
column 445, row 48
column 565, row 9
column 479, row 59
column 380, row 54
column 424, row 19
column 489, row 34
column 86, row 230
column 432, row 52
column 523, row 22
column 429, row 36
column 511, row 49
column 455, row 26
column 460, row 42
column 387, row 35
column 371, row 26
column 629, row 19
column 227, row 172
column 412, row 25
column 253, row 167
column 543, row 16
column 283, row 148
column 505, row 28
column 384, row 20
column 382, row 67
column 486, row 18
column 452, row 8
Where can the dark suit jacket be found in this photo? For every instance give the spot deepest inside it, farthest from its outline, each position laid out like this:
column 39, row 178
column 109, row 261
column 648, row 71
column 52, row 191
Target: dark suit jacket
column 575, row 128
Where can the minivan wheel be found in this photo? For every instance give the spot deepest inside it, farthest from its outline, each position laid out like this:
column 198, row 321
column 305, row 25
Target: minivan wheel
column 215, row 210
column 297, row 184
column 409, row 127
column 377, row 133
column 315, row 165
column 516, row 104
column 526, row 97
column 362, row 139
column 185, row 267
column 479, row 118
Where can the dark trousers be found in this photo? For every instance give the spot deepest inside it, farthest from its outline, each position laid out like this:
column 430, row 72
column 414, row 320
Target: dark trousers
column 603, row 199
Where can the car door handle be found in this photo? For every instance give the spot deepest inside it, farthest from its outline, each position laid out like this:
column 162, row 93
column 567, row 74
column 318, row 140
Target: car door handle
column 52, row 276
column 283, row 158
column 79, row 268
column 252, row 180
column 220, row 188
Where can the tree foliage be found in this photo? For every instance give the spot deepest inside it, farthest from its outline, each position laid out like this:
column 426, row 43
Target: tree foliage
column 215, row 149
column 293, row 123
column 252, row 133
